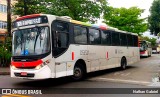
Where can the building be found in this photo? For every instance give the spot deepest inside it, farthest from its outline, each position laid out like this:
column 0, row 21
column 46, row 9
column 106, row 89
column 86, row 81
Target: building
column 3, row 20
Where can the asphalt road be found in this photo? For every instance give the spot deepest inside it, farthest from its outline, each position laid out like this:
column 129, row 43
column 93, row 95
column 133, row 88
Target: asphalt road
column 138, row 75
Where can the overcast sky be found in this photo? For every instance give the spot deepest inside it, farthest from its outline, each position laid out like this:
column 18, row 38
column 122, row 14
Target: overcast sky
column 143, row 4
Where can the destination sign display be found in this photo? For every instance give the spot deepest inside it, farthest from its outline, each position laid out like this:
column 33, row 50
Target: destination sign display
column 30, row 21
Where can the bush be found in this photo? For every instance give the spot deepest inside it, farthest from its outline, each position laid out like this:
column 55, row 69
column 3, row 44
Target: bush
column 5, row 54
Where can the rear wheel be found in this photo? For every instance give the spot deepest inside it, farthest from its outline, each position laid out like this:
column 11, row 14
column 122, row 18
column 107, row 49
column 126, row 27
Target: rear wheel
column 123, row 63
column 79, row 72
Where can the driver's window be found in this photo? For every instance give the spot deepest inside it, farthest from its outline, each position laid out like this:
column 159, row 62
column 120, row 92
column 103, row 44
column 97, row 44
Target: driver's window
column 60, row 37
column 60, row 34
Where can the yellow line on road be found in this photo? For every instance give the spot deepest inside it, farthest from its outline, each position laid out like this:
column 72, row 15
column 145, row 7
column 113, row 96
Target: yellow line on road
column 15, row 95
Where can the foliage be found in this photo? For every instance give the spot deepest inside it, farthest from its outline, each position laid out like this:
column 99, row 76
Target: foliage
column 5, row 56
column 152, row 40
column 153, row 19
column 126, row 19
column 82, row 10
column 25, row 7
column 5, row 52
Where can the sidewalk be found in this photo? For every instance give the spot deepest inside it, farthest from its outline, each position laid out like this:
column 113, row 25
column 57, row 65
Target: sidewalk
column 4, row 70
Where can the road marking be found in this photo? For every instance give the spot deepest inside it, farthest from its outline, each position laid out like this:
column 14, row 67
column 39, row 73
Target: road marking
column 15, row 95
column 125, row 74
column 156, row 84
column 122, row 74
column 121, row 80
column 117, row 73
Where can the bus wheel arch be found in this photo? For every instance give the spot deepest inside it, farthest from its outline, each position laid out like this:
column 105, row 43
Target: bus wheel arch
column 123, row 63
column 79, row 70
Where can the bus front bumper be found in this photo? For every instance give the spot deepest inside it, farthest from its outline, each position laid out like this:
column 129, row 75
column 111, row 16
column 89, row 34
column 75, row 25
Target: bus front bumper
column 42, row 73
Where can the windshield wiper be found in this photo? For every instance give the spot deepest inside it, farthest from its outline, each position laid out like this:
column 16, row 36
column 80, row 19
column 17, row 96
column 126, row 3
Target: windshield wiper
column 39, row 32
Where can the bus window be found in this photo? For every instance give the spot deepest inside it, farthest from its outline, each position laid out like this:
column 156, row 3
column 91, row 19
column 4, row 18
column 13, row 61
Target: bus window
column 130, row 40
column 60, row 37
column 115, row 39
column 94, row 36
column 123, row 38
column 80, row 35
column 106, row 37
column 135, row 41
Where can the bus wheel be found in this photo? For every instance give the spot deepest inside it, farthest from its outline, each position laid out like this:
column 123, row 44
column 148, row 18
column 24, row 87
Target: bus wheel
column 123, row 63
column 78, row 73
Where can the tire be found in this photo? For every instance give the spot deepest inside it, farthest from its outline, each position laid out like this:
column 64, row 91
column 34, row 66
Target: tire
column 78, row 72
column 123, row 63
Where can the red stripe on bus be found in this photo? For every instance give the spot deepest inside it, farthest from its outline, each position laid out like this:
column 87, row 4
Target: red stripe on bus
column 106, row 55
column 28, row 16
column 103, row 27
column 27, row 64
column 72, row 55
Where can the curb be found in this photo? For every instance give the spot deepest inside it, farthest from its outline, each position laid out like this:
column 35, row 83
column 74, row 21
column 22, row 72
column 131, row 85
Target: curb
column 4, row 73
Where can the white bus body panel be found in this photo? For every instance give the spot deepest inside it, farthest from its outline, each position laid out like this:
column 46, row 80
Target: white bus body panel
column 95, row 57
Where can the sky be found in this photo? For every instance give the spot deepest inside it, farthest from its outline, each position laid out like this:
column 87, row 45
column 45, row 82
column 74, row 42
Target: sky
column 142, row 4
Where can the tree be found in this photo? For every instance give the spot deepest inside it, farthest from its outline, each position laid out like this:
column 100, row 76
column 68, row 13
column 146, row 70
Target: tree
column 152, row 40
column 126, row 19
column 82, row 10
column 26, row 7
column 153, row 19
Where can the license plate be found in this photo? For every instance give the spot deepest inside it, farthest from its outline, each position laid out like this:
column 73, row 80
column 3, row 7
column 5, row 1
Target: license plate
column 24, row 73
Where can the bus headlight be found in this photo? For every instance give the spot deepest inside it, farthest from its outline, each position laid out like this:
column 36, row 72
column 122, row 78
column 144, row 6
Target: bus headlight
column 13, row 67
column 42, row 65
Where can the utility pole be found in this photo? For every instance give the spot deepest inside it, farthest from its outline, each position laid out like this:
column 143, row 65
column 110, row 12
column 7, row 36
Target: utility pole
column 25, row 7
column 9, row 17
column 8, row 21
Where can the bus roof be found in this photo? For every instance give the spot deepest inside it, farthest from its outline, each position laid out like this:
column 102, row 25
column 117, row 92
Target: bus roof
column 69, row 19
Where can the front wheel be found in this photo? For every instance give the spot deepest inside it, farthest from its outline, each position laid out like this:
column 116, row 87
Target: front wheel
column 78, row 73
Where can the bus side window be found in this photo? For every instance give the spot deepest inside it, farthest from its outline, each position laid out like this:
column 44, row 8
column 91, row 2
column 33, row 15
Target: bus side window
column 106, row 37
column 80, row 35
column 135, row 40
column 123, row 38
column 130, row 40
column 94, row 36
column 115, row 38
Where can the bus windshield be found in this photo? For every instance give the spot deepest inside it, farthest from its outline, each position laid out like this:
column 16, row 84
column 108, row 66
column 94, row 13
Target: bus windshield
column 143, row 46
column 32, row 41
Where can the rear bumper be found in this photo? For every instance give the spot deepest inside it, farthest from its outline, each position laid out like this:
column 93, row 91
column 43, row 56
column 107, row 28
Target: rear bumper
column 144, row 54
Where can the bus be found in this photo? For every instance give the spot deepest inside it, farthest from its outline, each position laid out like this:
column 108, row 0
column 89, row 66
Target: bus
column 145, row 49
column 49, row 46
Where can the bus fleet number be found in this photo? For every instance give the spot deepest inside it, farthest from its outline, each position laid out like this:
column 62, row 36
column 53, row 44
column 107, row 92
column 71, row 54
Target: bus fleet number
column 84, row 52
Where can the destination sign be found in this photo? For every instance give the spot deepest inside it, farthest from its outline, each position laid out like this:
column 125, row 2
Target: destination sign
column 30, row 21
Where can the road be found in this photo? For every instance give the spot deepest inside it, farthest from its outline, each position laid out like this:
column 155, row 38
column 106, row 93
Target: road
column 141, row 72
column 138, row 75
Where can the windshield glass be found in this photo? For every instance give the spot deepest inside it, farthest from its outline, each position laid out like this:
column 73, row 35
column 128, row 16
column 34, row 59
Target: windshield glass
column 32, row 41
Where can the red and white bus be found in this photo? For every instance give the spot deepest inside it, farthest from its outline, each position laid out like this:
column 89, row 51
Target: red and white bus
column 48, row 46
column 145, row 49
